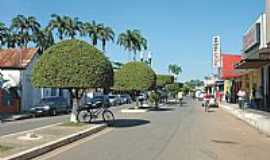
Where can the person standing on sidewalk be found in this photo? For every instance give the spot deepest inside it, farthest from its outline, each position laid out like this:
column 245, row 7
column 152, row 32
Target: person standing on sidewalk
column 242, row 98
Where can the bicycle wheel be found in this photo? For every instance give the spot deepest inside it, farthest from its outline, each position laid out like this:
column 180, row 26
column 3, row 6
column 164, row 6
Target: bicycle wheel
column 108, row 117
column 84, row 116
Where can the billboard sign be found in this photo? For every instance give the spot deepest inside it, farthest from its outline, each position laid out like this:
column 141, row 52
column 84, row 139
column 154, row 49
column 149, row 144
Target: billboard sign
column 216, row 51
column 252, row 37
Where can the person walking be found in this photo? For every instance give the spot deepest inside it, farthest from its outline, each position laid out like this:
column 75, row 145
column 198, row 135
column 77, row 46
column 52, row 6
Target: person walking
column 242, row 98
column 180, row 97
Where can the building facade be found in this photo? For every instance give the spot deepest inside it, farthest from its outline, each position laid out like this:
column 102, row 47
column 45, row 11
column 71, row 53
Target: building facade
column 17, row 94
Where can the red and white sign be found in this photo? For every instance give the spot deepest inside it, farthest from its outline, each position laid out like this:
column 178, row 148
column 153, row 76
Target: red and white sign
column 216, row 50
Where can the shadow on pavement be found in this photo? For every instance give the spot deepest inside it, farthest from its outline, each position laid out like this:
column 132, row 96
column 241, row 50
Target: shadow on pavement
column 162, row 109
column 125, row 123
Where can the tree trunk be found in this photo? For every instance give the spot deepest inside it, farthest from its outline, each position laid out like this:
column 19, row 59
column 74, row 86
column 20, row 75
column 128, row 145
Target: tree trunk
column 104, row 46
column 75, row 106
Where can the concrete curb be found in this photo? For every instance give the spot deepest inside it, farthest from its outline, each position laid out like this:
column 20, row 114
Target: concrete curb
column 260, row 122
column 40, row 150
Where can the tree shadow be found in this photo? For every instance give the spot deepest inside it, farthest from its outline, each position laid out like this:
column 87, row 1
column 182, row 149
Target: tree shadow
column 161, row 109
column 125, row 123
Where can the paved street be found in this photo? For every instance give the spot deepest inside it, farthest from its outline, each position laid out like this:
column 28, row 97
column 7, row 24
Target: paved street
column 186, row 133
column 23, row 125
column 29, row 124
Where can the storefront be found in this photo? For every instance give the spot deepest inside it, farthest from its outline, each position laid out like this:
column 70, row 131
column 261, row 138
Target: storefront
column 230, row 77
column 255, row 62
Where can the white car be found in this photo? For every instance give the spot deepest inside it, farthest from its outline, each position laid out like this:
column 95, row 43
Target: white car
column 201, row 96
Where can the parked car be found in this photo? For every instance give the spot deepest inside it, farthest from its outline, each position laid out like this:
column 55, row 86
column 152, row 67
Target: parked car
column 115, row 100
column 51, row 106
column 104, row 99
column 125, row 99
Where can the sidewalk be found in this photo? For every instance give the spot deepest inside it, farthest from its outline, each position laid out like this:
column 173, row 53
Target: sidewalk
column 32, row 143
column 258, row 119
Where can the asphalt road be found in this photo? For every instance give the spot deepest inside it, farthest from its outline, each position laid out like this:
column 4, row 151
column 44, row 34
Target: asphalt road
column 28, row 124
column 33, row 123
column 175, row 133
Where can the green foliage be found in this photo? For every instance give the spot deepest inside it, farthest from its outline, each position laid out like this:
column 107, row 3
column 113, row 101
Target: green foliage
column 162, row 80
column 175, row 69
column 135, row 76
column 133, row 41
column 73, row 64
column 117, row 65
column 154, row 98
column 174, row 88
column 194, row 83
column 4, row 148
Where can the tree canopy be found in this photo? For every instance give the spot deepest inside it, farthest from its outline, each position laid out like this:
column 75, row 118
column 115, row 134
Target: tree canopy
column 174, row 88
column 135, row 76
column 73, row 64
column 162, row 80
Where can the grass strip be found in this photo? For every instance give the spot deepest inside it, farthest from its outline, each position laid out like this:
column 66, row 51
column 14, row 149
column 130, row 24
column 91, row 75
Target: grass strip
column 4, row 148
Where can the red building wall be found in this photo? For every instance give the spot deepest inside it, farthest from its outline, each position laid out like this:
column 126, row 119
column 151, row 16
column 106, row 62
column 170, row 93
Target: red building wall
column 227, row 69
column 13, row 107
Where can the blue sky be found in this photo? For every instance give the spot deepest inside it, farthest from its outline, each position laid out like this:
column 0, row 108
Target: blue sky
column 178, row 31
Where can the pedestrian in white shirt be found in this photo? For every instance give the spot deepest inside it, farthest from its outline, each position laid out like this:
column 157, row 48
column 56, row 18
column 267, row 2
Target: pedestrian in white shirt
column 242, row 98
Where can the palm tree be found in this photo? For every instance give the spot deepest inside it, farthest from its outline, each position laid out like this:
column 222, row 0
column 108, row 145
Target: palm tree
column 33, row 24
column 20, row 27
column 12, row 40
column 43, row 39
column 57, row 23
column 72, row 26
column 106, row 34
column 3, row 34
column 133, row 41
column 175, row 70
column 93, row 30
column 25, row 28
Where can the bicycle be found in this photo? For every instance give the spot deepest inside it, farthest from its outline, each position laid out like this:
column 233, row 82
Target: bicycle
column 90, row 112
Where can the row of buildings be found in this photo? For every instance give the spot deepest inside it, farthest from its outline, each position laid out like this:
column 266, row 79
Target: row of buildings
column 250, row 70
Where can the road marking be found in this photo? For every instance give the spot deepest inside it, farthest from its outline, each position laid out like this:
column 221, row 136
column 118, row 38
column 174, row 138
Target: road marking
column 32, row 130
column 66, row 148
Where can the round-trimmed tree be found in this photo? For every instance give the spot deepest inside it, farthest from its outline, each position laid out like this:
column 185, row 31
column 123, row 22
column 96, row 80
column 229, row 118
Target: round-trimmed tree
column 74, row 65
column 135, row 76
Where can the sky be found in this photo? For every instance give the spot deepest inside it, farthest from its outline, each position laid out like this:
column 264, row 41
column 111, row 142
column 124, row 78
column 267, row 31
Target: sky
column 178, row 31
